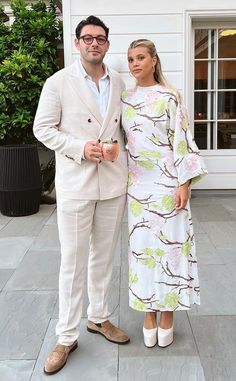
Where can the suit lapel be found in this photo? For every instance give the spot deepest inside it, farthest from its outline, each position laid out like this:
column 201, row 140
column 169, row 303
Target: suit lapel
column 80, row 86
column 111, row 103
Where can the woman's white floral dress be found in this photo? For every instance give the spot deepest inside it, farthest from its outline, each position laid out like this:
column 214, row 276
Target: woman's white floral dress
column 162, row 155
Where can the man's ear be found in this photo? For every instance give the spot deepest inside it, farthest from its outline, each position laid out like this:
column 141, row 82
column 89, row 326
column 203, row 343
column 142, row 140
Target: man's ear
column 77, row 44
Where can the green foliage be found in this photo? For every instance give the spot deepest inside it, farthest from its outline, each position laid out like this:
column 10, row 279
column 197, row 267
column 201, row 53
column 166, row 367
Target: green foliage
column 168, row 202
column 136, row 208
column 28, row 55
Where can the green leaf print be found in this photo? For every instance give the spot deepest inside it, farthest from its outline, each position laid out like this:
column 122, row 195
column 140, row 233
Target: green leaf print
column 130, row 113
column 136, row 208
column 171, row 300
column 159, row 107
column 155, row 139
column 130, row 180
column 133, row 278
column 156, row 206
column 124, row 94
column 185, row 124
column 150, row 154
column 182, row 148
column 158, row 252
column 148, row 251
column 149, row 262
column 149, row 165
column 186, row 248
column 159, row 306
column 139, row 305
column 168, row 202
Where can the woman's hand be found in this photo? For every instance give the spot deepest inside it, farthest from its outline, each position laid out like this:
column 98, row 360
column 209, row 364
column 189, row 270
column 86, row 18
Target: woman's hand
column 182, row 195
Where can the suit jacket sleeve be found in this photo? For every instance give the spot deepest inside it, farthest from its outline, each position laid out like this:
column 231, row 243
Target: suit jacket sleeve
column 47, row 122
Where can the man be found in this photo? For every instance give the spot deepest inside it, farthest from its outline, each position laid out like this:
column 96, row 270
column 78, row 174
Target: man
column 79, row 108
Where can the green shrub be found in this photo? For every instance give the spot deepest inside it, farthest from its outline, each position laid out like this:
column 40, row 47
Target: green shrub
column 28, row 56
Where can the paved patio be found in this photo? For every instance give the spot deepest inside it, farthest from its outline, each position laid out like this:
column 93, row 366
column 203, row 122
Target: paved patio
column 205, row 338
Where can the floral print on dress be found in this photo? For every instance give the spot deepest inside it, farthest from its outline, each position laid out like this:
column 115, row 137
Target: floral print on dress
column 162, row 155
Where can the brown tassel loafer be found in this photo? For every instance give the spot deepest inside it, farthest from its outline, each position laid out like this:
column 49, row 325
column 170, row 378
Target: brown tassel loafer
column 109, row 331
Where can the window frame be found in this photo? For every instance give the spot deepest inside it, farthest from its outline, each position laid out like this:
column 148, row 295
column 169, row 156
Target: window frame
column 202, row 19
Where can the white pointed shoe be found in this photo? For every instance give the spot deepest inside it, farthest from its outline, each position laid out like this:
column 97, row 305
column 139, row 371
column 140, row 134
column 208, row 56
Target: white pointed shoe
column 165, row 336
column 150, row 337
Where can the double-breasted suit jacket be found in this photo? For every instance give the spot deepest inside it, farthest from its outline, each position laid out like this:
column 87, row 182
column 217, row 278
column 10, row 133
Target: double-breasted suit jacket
column 67, row 117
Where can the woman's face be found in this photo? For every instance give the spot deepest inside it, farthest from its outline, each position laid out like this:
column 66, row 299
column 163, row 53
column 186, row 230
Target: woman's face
column 141, row 64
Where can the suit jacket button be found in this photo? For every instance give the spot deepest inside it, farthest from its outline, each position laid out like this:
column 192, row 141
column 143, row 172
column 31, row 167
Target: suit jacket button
column 116, row 120
column 89, row 120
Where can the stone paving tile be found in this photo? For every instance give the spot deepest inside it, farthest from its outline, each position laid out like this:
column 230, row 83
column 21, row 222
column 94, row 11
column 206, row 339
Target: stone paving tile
column 132, row 321
column 215, row 335
column 206, row 251
column 168, row 368
column 219, row 369
column 12, row 250
column 24, row 318
column 212, row 212
column 4, row 276
column 29, row 226
column 16, row 370
column 228, row 203
column 47, row 239
column 227, row 255
column 217, row 285
column 53, row 218
column 38, row 270
column 221, row 234
column 96, row 359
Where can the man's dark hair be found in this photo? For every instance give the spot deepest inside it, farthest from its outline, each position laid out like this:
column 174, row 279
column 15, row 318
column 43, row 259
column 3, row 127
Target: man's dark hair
column 91, row 20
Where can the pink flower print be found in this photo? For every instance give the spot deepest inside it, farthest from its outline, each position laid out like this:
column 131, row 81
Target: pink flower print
column 131, row 141
column 191, row 163
column 174, row 257
column 156, row 224
column 130, row 255
column 135, row 173
column 168, row 159
column 149, row 102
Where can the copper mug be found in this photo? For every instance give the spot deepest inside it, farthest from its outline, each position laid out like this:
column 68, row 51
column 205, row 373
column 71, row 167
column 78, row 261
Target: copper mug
column 110, row 150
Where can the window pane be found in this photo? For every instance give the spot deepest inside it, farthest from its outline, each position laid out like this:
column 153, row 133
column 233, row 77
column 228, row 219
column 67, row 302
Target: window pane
column 227, row 105
column 200, row 105
column 200, row 135
column 201, row 43
column 227, row 135
column 227, row 43
column 201, row 74
column 227, row 75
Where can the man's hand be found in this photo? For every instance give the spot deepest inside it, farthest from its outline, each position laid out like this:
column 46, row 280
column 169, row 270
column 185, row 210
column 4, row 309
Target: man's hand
column 92, row 151
column 182, row 196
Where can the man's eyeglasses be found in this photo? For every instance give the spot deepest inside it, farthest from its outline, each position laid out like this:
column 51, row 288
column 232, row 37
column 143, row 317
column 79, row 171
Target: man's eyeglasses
column 87, row 39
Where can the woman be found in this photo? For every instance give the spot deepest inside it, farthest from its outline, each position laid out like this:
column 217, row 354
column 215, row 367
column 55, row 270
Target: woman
column 163, row 161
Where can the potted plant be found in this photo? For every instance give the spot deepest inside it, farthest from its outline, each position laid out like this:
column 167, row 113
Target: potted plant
column 28, row 56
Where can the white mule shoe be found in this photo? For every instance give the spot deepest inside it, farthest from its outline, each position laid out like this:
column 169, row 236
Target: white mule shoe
column 165, row 336
column 150, row 337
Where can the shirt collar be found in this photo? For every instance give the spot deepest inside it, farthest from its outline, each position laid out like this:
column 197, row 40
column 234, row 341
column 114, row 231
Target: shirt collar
column 85, row 74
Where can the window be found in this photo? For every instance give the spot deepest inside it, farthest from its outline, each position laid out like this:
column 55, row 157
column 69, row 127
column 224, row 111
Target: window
column 215, row 88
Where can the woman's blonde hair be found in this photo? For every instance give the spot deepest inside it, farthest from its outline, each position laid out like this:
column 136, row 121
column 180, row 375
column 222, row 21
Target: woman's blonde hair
column 158, row 74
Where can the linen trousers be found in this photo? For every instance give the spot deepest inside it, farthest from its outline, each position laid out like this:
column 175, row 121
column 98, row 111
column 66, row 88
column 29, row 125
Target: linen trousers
column 88, row 233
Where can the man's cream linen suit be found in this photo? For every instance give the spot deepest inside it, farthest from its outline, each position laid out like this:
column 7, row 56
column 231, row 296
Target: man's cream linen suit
column 90, row 196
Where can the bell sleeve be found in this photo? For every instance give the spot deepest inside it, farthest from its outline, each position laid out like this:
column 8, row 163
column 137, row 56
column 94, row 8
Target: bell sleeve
column 187, row 159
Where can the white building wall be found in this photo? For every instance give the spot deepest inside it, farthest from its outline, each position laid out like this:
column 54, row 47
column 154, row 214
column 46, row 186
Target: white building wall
column 165, row 23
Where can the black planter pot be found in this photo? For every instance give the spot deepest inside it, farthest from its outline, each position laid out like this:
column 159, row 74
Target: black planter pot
column 20, row 180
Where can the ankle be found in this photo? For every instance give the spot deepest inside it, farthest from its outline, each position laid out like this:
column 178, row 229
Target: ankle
column 150, row 320
column 166, row 320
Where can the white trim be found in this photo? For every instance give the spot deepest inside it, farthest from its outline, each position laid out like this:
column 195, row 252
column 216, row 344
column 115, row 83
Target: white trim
column 66, row 11
column 191, row 16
